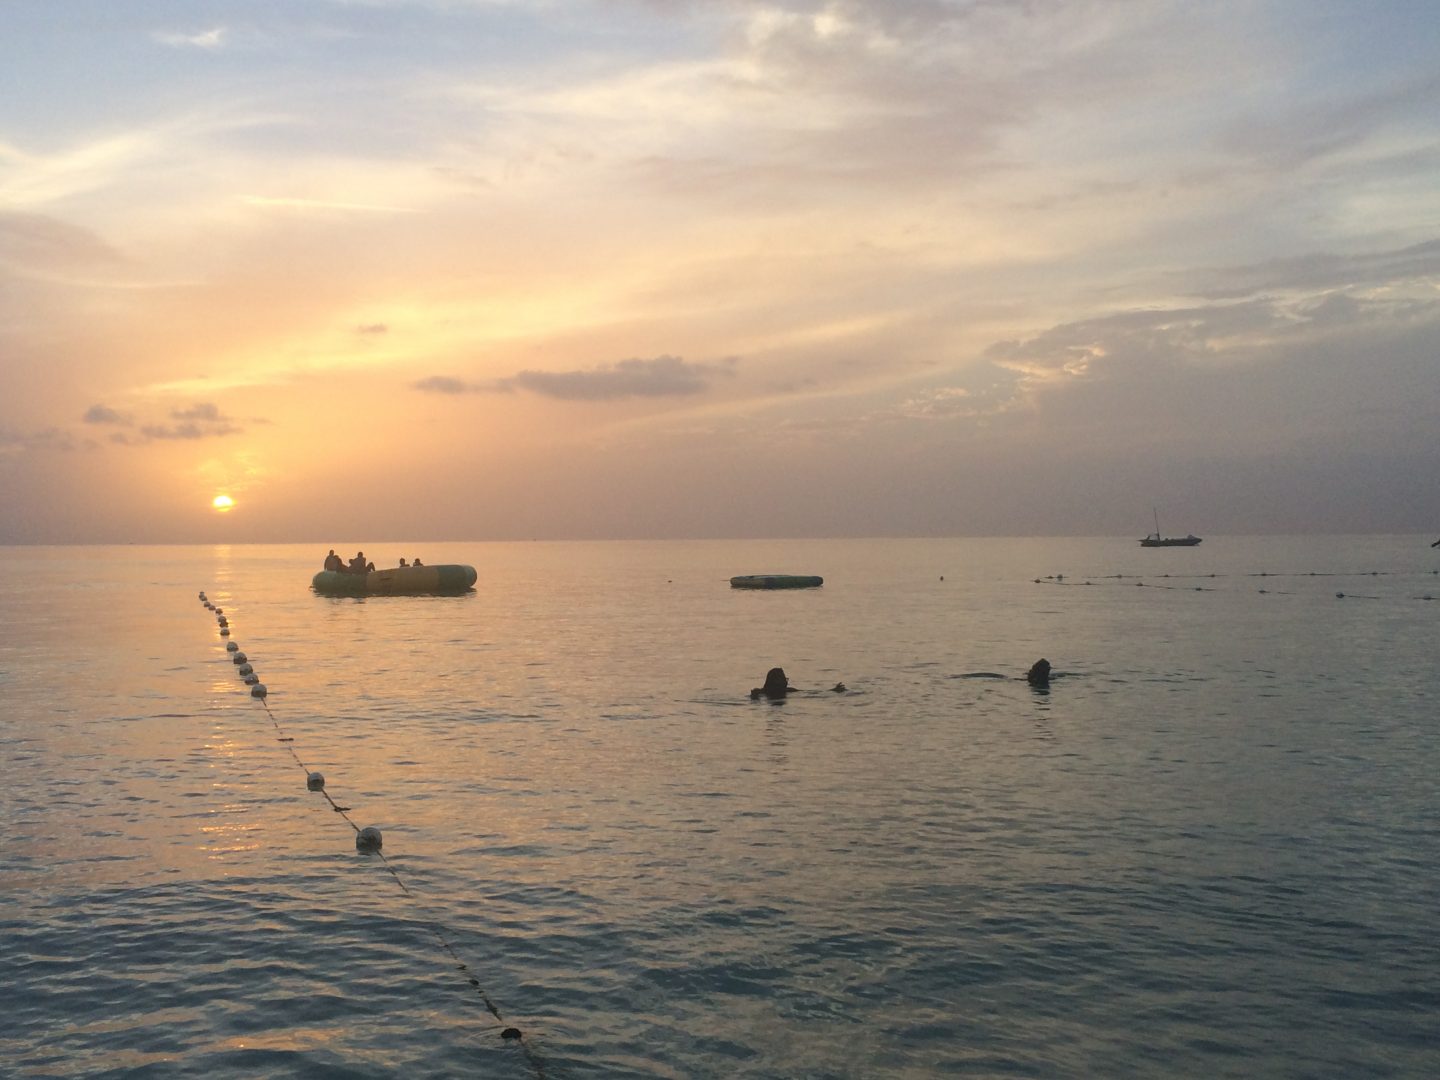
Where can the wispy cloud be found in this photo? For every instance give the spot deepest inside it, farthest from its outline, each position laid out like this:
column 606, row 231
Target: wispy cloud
column 204, row 411
column 204, row 39
column 14, row 443
column 662, row 376
column 447, row 384
column 188, row 431
column 292, row 203
column 1323, row 271
column 40, row 242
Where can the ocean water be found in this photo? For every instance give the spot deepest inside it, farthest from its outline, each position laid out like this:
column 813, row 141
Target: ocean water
column 1211, row 849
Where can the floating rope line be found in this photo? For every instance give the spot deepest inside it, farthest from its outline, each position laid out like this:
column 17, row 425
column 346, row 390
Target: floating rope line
column 1136, row 581
column 367, row 840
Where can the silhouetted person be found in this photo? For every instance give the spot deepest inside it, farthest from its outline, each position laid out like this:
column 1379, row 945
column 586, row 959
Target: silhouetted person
column 417, row 562
column 775, row 688
column 1039, row 673
column 403, row 562
column 357, row 564
column 333, row 561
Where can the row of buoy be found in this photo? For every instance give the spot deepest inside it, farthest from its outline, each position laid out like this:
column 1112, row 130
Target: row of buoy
column 367, row 840
column 1059, row 579
column 1268, row 573
column 245, row 670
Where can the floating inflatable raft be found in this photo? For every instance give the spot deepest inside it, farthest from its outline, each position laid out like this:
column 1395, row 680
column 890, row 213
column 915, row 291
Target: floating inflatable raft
column 396, row 581
column 776, row 581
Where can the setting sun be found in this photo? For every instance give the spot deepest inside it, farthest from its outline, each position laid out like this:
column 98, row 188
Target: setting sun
column 222, row 503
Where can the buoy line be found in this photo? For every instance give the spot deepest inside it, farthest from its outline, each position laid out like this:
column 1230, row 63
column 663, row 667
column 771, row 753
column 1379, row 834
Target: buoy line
column 1134, row 580
column 368, row 840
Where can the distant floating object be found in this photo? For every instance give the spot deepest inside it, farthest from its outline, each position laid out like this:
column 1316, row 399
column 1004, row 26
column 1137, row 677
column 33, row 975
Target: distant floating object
column 776, row 581
column 315, row 781
column 397, row 581
column 230, row 646
column 1156, row 540
column 258, row 690
column 368, row 839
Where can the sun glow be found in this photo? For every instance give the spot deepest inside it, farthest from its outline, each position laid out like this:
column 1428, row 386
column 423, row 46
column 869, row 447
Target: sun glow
column 222, row 503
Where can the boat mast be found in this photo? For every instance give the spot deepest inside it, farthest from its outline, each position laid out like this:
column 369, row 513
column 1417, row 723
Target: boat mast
column 1157, row 522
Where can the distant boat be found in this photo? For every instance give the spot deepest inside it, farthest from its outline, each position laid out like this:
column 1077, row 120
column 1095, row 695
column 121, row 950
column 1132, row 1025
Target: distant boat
column 1156, row 540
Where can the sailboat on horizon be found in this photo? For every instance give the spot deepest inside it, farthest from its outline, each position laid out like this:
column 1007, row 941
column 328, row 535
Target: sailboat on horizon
column 1156, row 540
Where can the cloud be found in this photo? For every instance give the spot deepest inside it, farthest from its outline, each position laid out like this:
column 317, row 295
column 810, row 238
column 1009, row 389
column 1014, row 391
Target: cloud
column 445, row 384
column 205, row 39
column 203, row 420
column 663, row 376
column 941, row 403
column 203, row 410
column 40, row 243
column 1307, row 299
column 188, row 431
column 103, row 414
column 1325, row 271
column 372, row 328
column 15, row 443
column 290, row 203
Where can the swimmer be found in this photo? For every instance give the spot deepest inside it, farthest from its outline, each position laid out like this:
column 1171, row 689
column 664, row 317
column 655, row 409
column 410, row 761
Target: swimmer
column 776, row 686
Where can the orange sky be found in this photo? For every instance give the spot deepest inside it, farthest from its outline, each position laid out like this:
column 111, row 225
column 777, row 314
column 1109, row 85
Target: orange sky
column 511, row 269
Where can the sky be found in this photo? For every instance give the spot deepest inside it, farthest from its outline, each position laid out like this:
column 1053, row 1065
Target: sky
column 590, row 269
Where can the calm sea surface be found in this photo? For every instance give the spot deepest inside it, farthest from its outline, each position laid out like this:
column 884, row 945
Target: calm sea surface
column 1212, row 849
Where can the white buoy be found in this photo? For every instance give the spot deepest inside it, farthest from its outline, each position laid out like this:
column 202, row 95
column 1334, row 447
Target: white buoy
column 251, row 679
column 238, row 658
column 315, row 781
column 223, row 621
column 224, row 631
column 219, row 611
column 245, row 669
column 258, row 690
column 368, row 839
column 230, row 646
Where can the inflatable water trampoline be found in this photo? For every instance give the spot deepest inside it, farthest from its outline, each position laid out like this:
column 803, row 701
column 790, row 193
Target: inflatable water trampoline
column 776, row 581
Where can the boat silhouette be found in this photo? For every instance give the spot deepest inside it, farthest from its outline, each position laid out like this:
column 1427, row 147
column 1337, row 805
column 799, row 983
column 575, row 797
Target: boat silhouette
column 1156, row 540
